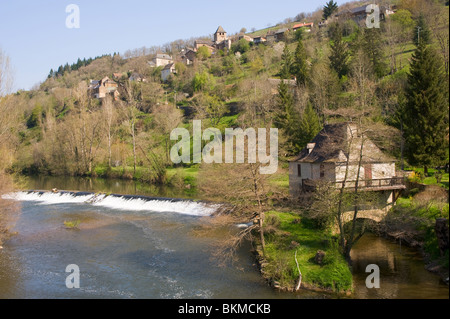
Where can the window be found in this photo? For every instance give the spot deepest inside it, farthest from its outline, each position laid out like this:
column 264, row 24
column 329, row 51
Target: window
column 322, row 170
column 299, row 170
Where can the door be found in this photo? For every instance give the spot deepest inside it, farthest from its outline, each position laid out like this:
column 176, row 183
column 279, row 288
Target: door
column 368, row 174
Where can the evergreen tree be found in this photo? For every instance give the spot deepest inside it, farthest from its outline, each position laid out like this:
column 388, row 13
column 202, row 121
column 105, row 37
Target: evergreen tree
column 286, row 118
column 329, row 8
column 421, row 32
column 309, row 126
column 426, row 112
column 373, row 47
column 60, row 71
column 299, row 67
column 339, row 53
column 286, row 63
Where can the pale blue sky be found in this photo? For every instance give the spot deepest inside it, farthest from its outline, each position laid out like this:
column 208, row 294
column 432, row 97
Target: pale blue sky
column 35, row 36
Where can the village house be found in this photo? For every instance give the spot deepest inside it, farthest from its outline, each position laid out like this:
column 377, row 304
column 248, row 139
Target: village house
column 334, row 156
column 258, row 40
column 100, row 89
column 118, row 76
column 280, row 34
column 160, row 60
column 360, row 14
column 204, row 43
column 167, row 71
column 245, row 37
column 188, row 56
column 137, row 77
column 220, row 42
column 270, row 36
column 307, row 26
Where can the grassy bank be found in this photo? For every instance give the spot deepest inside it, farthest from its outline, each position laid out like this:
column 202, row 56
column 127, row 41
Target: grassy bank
column 186, row 175
column 285, row 234
column 412, row 221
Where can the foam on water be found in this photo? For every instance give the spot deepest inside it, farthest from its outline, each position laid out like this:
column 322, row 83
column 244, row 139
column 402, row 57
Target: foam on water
column 121, row 202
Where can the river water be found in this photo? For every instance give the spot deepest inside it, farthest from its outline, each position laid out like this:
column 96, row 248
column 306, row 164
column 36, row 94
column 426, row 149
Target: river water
column 138, row 249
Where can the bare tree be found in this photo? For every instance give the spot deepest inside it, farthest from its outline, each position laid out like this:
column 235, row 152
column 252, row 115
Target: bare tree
column 8, row 118
column 166, row 118
column 87, row 127
column 361, row 80
column 109, row 115
column 6, row 78
column 248, row 191
column 131, row 110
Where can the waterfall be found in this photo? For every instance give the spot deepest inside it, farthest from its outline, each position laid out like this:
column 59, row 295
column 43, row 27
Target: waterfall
column 120, row 202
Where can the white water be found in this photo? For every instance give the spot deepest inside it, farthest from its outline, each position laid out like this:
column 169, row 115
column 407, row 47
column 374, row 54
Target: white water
column 136, row 203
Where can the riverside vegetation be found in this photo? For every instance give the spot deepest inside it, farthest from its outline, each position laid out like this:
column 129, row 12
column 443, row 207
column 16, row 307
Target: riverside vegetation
column 342, row 72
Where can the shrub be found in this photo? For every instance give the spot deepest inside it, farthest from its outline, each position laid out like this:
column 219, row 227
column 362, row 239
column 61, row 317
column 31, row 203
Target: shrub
column 72, row 224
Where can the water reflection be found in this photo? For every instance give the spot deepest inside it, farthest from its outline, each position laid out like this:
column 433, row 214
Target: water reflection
column 402, row 271
column 128, row 187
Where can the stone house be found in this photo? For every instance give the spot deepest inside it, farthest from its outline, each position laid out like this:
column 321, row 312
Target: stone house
column 137, row 77
column 188, row 56
column 99, row 89
column 360, row 14
column 220, row 42
column 246, row 37
column 160, row 59
column 167, row 71
column 280, row 34
column 336, row 152
column 270, row 37
column 204, row 43
column 260, row 39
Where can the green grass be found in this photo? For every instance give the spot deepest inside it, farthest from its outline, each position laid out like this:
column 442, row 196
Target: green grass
column 73, row 224
column 334, row 274
column 280, row 180
column 431, row 178
column 420, row 216
column 142, row 173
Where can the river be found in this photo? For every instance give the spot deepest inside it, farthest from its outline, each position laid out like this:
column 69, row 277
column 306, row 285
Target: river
column 135, row 252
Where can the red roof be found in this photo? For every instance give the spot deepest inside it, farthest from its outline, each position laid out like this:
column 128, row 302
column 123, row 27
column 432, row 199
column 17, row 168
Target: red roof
column 303, row 25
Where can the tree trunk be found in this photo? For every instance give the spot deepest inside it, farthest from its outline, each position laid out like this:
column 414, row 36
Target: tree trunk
column 356, row 202
column 133, row 134
column 261, row 232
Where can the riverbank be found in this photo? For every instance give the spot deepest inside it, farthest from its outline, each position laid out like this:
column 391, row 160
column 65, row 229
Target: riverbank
column 412, row 223
column 294, row 246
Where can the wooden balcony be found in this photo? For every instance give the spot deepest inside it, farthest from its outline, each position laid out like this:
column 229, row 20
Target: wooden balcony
column 393, row 183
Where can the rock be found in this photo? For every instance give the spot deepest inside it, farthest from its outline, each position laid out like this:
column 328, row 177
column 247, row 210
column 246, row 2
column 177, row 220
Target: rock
column 320, row 255
column 442, row 233
column 294, row 244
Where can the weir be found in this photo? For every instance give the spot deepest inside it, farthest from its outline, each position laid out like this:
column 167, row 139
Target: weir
column 117, row 201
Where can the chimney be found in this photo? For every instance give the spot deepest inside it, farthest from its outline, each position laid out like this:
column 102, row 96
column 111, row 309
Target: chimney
column 310, row 147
